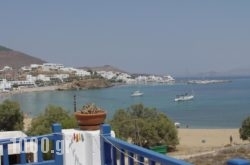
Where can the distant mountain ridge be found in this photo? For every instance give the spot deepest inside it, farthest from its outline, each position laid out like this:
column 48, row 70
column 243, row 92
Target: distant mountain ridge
column 16, row 59
column 106, row 68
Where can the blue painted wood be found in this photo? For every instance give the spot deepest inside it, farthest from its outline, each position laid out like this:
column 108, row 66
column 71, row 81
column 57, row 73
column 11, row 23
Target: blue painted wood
column 22, row 154
column 56, row 137
column 132, row 149
column 131, row 158
column 48, row 162
column 5, row 154
column 105, row 146
column 122, row 158
column 114, row 156
column 151, row 162
column 238, row 161
column 39, row 151
column 141, row 160
column 58, row 143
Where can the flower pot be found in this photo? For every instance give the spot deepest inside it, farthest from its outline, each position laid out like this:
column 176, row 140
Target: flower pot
column 90, row 121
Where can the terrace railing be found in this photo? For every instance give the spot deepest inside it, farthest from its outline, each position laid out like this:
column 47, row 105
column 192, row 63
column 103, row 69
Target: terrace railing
column 115, row 151
column 55, row 137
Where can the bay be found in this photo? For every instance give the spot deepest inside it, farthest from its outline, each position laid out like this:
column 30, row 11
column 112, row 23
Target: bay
column 219, row 105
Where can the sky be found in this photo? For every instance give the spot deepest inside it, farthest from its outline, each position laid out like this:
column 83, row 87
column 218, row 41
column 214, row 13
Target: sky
column 139, row 36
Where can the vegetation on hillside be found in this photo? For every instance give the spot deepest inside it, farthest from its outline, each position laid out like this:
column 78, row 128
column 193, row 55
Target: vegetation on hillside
column 144, row 126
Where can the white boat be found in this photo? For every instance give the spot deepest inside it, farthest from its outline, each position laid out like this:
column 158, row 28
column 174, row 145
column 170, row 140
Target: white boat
column 184, row 97
column 137, row 93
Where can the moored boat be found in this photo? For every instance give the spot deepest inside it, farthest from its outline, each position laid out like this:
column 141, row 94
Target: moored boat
column 137, row 93
column 184, row 97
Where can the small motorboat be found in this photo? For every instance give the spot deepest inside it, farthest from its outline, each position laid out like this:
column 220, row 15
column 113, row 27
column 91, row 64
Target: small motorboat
column 137, row 93
column 184, row 97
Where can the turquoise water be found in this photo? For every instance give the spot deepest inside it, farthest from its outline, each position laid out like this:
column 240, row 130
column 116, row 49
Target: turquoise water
column 222, row 105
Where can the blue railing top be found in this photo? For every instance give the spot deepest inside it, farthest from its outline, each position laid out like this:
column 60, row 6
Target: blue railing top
column 56, row 135
column 152, row 155
column 26, row 139
column 146, row 153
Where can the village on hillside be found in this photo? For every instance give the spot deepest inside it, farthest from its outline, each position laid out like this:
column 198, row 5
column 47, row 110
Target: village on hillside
column 52, row 74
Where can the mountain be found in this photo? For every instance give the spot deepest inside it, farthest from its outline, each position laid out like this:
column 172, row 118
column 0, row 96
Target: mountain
column 104, row 68
column 16, row 59
column 238, row 72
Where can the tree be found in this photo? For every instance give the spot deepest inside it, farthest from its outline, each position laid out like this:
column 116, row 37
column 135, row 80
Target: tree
column 11, row 117
column 245, row 129
column 52, row 114
column 42, row 124
column 144, row 126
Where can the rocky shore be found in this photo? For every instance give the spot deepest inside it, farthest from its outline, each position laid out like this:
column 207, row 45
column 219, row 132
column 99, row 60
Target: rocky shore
column 86, row 84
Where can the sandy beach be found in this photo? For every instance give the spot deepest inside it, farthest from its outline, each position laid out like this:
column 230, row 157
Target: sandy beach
column 35, row 89
column 202, row 141
column 25, row 90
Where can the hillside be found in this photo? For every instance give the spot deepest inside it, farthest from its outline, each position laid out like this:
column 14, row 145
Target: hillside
column 15, row 59
column 104, row 68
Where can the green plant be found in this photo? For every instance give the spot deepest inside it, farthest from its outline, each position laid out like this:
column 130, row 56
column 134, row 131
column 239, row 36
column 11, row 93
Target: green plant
column 90, row 109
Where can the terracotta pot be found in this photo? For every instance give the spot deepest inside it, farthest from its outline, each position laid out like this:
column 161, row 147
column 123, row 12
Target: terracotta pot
column 90, row 121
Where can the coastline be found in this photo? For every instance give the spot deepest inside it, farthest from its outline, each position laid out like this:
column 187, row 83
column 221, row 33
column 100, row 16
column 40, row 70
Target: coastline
column 195, row 142
column 26, row 90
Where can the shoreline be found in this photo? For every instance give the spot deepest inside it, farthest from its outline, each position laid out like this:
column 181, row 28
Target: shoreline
column 28, row 90
column 195, row 142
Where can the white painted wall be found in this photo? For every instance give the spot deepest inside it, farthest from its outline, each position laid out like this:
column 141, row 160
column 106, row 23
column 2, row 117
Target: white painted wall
column 84, row 149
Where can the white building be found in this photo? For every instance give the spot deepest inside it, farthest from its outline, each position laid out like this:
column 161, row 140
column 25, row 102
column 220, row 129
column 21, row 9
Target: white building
column 52, row 66
column 5, row 68
column 5, row 86
column 43, row 77
column 82, row 73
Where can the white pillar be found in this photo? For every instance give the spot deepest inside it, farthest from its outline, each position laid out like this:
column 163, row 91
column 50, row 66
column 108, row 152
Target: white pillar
column 81, row 147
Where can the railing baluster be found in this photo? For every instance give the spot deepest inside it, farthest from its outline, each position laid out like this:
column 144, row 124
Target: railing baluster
column 122, row 159
column 114, row 155
column 5, row 154
column 151, row 162
column 142, row 154
column 131, row 159
column 105, row 146
column 141, row 160
column 58, row 143
column 22, row 152
column 39, row 151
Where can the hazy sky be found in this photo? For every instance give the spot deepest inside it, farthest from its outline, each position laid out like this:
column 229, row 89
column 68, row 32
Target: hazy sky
column 156, row 36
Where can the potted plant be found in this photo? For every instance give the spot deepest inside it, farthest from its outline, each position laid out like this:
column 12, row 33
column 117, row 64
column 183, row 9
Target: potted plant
column 90, row 117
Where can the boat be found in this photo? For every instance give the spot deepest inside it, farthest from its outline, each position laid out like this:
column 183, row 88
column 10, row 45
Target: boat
column 137, row 93
column 184, row 97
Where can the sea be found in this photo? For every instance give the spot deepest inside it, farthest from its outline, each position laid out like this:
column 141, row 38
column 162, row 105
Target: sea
column 217, row 105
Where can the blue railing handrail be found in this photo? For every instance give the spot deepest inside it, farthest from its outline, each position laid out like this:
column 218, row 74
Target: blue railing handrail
column 109, row 144
column 27, row 139
column 157, row 157
column 56, row 135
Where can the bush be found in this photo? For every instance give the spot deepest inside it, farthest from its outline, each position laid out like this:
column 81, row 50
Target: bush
column 144, row 126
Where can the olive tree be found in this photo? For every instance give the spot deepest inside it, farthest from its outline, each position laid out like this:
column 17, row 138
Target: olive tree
column 11, row 117
column 245, row 129
column 52, row 114
column 144, row 126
